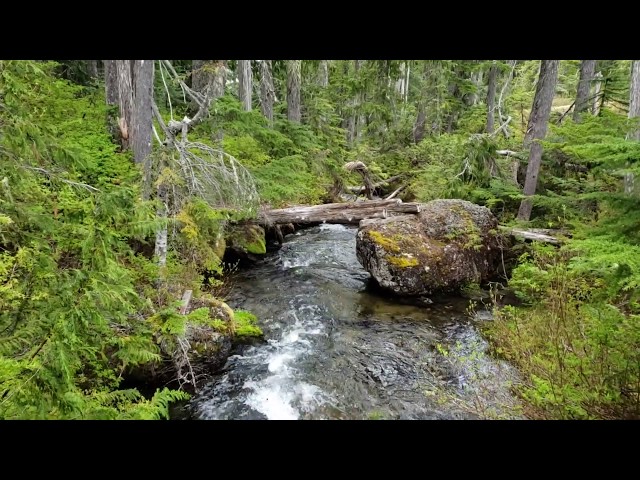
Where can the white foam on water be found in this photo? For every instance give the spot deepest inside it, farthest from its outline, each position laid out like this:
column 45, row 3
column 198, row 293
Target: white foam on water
column 295, row 262
column 272, row 398
column 282, row 395
column 332, row 227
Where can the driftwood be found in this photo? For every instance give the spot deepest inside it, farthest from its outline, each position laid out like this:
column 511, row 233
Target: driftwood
column 539, row 235
column 346, row 213
column 396, row 191
column 362, row 169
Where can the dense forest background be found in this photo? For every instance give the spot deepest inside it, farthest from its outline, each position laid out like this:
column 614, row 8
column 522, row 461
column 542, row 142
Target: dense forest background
column 122, row 182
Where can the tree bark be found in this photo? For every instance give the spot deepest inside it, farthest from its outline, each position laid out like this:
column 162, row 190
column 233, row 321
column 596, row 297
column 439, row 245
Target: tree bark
column 360, row 119
column 209, row 74
column 634, row 98
column 129, row 84
column 419, row 126
column 110, row 82
column 401, row 82
column 351, row 122
column 142, row 110
column 597, row 101
column 536, row 131
column 476, row 79
column 267, row 92
column 587, row 69
column 199, row 75
column 323, row 73
column 124, row 71
column 293, row 90
column 112, row 97
column 491, row 98
column 92, row 68
column 219, row 79
column 245, row 84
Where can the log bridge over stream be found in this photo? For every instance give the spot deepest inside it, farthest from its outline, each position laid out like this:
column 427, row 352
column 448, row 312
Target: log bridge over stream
column 355, row 212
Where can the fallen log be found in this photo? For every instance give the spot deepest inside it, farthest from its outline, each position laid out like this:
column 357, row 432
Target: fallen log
column 534, row 234
column 345, row 213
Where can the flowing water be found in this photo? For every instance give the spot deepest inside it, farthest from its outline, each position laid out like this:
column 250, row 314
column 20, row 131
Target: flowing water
column 336, row 348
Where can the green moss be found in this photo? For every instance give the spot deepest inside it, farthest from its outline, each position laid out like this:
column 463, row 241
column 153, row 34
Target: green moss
column 389, row 243
column 258, row 247
column 249, row 238
column 219, row 325
column 403, row 262
column 199, row 316
column 202, row 316
column 376, row 415
column 245, row 324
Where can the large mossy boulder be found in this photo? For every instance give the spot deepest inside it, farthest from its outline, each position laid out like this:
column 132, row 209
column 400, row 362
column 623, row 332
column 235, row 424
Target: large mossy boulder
column 209, row 338
column 449, row 244
column 246, row 241
column 197, row 344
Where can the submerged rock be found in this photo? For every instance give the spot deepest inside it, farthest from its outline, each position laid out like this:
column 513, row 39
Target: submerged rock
column 449, row 244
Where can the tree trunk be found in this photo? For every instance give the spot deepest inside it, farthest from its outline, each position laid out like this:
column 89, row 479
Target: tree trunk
column 491, row 98
column 634, row 113
column 208, row 75
column 293, row 90
column 267, row 92
column 129, row 84
column 142, row 111
column 476, row 79
column 419, row 126
column 198, row 75
column 351, row 122
column 92, row 68
column 110, row 82
column 219, row 79
column 597, row 102
column 359, row 100
column 401, row 82
column 634, row 99
column 160, row 250
column 537, row 129
column 407, row 78
column 587, row 69
column 245, row 84
column 124, row 71
column 323, row 73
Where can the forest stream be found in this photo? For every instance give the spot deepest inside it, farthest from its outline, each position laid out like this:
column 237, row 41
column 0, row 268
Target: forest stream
column 337, row 348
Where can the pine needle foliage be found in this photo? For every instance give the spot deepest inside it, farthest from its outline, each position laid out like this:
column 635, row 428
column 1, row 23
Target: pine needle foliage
column 68, row 303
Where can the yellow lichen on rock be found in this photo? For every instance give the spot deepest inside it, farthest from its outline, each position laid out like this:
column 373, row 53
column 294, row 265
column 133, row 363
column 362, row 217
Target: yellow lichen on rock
column 387, row 242
column 403, row 262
